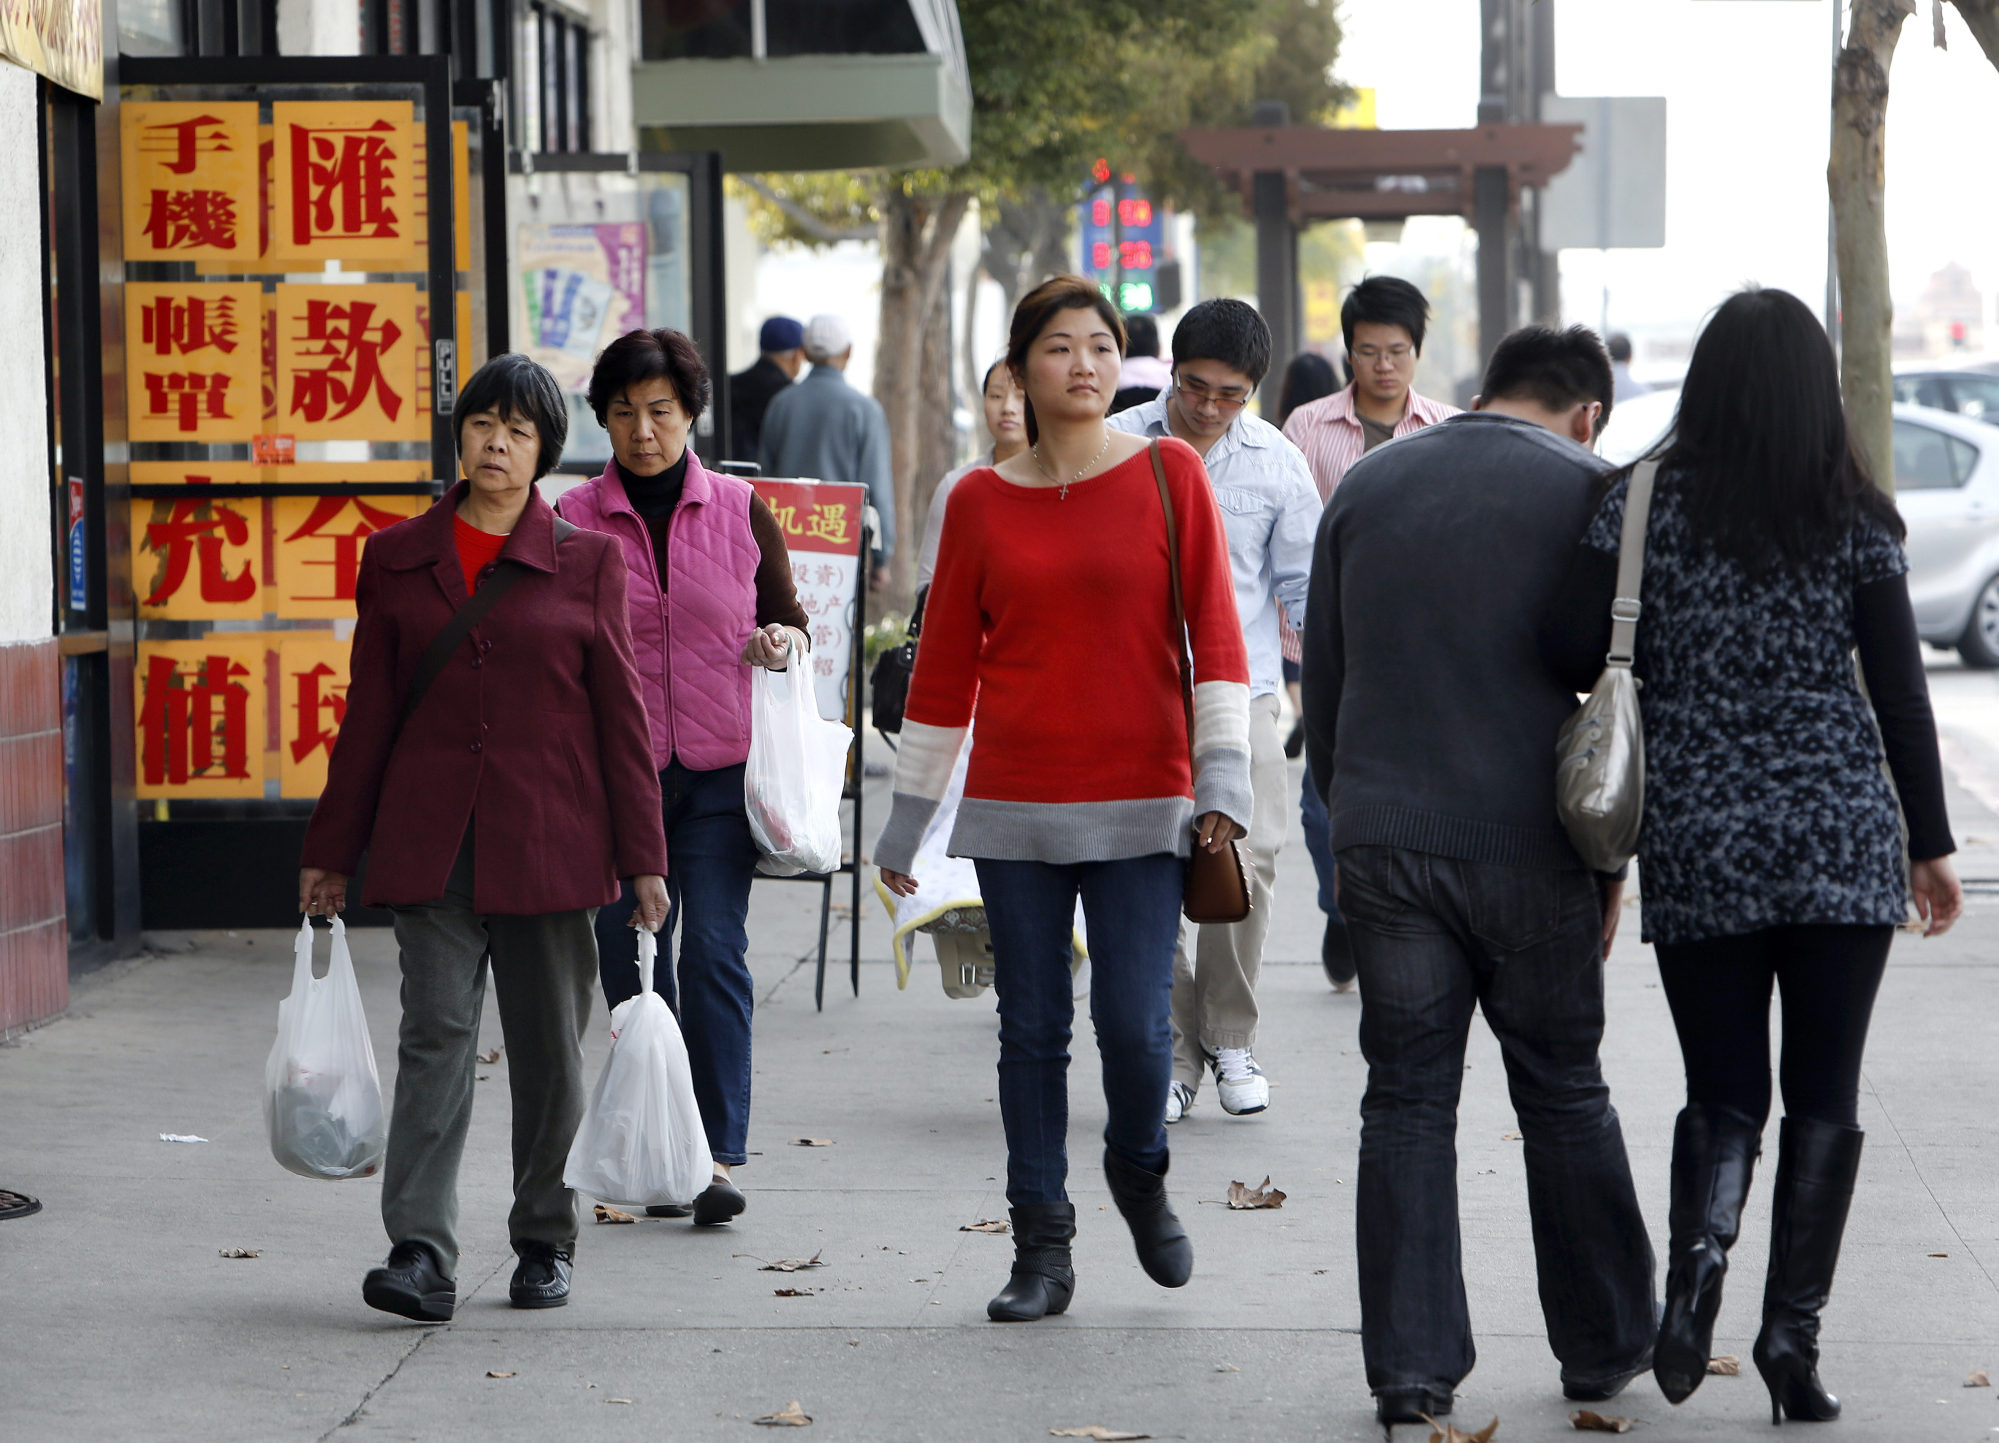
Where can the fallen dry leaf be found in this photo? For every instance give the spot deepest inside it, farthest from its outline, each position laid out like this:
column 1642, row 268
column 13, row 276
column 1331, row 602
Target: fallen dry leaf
column 1243, row 1198
column 1509, row 1137
column 490, row 1057
column 1097, row 1431
column 812, row 1142
column 240, row 1252
column 784, row 1265
column 491, row 1374
column 1588, row 1422
column 792, row 1417
column 1447, row 1434
column 608, row 1214
column 617, row 1400
column 987, row 1225
column 1979, row 1379
column 1726, row 1366
column 794, row 1292
column 1939, row 1255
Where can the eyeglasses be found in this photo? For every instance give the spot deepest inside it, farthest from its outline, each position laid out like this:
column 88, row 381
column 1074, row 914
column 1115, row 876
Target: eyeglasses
column 1231, row 398
column 1368, row 355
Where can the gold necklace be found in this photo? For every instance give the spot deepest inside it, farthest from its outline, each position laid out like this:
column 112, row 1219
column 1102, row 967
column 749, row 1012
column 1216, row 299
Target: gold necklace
column 1035, row 452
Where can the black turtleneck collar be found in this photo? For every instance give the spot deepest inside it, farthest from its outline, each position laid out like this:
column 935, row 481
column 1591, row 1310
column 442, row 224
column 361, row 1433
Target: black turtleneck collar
column 654, row 496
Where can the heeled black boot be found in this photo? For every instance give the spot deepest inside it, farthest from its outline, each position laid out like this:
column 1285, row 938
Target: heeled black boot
column 1163, row 1249
column 1043, row 1280
column 1714, row 1156
column 1816, row 1165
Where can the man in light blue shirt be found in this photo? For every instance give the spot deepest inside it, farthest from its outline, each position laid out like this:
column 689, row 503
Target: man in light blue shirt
column 1270, row 508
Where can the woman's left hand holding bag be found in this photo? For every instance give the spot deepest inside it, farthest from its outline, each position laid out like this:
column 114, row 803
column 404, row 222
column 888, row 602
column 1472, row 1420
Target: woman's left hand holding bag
column 651, row 910
column 771, row 647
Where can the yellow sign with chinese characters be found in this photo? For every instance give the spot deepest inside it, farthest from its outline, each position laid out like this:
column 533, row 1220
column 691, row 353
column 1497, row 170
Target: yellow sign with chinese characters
column 344, row 183
column 201, row 717
column 347, row 363
column 318, row 548
column 198, row 558
column 190, row 180
column 312, row 702
column 193, row 361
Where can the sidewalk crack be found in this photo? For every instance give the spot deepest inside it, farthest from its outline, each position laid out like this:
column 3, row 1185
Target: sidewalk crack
column 1937, row 1202
column 408, row 1353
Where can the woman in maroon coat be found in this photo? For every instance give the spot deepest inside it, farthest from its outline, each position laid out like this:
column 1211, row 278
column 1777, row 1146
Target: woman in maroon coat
column 496, row 822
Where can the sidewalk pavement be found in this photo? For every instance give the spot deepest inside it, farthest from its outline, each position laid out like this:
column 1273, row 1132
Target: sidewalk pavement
column 123, row 1322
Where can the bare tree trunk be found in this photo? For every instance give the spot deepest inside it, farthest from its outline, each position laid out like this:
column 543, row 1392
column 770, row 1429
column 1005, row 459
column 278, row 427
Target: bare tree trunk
column 1857, row 178
column 916, row 246
column 937, row 440
column 1982, row 16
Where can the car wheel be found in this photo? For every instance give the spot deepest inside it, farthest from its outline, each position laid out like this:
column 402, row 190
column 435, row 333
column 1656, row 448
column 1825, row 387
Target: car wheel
column 1979, row 646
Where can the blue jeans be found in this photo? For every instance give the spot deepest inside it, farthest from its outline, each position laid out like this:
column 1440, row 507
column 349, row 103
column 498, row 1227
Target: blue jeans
column 1318, row 842
column 711, row 860
column 1436, row 939
column 1133, row 911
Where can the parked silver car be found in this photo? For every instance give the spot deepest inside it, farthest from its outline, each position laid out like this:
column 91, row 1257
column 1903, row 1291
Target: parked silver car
column 1947, row 486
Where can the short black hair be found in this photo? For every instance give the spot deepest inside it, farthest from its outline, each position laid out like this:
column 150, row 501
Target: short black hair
column 1619, row 346
column 1141, row 335
column 1556, row 369
column 1385, row 301
column 1225, row 330
column 639, row 356
column 512, row 385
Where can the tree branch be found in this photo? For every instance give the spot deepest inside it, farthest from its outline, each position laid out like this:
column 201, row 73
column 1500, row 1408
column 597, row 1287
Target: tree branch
column 805, row 220
column 1981, row 17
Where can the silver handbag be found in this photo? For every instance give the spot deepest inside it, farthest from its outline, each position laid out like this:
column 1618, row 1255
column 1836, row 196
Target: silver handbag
column 1600, row 751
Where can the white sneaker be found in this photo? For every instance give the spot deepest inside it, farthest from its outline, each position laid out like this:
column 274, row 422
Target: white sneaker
column 1179, row 1098
column 1239, row 1081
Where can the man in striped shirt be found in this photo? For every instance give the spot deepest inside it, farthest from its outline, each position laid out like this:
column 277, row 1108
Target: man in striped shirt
column 1382, row 322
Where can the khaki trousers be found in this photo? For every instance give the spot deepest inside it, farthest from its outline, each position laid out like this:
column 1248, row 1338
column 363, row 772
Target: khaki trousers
column 1214, row 992
column 545, row 972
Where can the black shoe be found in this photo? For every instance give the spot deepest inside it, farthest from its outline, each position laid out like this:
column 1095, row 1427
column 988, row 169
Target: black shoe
column 1605, row 1387
column 411, row 1285
column 1411, row 1405
column 719, row 1202
column 541, row 1278
column 1163, row 1249
column 1043, row 1278
column 667, row 1210
column 1336, row 955
column 1714, row 1156
column 1294, row 745
column 1816, row 1165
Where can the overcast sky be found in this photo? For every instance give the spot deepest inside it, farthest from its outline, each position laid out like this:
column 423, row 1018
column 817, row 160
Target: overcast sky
column 1747, row 86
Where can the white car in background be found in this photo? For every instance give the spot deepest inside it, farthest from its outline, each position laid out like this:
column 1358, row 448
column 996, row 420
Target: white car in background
column 1947, row 487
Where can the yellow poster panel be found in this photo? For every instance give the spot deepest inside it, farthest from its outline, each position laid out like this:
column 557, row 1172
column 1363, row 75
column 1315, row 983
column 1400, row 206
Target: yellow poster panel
column 260, row 261
column 312, row 702
column 192, row 357
column 343, row 183
column 200, row 711
column 346, row 365
column 198, row 559
column 319, row 541
column 190, row 180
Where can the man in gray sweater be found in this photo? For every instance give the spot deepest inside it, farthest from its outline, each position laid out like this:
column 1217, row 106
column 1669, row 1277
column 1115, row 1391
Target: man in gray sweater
column 1431, row 720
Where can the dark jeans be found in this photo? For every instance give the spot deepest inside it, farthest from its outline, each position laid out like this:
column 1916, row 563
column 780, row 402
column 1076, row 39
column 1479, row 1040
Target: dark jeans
column 1435, row 938
column 1719, row 991
column 711, row 860
column 1132, row 908
column 1318, row 842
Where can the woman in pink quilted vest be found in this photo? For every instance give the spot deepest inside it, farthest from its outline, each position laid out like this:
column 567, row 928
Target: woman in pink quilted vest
column 711, row 596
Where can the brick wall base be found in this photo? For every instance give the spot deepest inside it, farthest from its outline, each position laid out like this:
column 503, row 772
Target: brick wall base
column 34, row 935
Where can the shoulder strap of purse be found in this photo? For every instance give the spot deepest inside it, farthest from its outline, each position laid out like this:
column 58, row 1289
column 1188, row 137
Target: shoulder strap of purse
column 1179, row 602
column 438, row 653
column 1631, row 564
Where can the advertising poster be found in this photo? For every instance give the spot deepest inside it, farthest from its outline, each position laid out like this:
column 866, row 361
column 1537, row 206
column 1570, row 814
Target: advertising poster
column 312, row 702
column 201, row 717
column 346, row 368
column 194, row 357
column 343, row 183
column 318, row 542
column 189, row 181
column 822, row 531
column 198, row 559
column 585, row 285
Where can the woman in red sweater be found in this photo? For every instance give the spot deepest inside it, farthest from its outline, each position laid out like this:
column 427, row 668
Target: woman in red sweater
column 1052, row 607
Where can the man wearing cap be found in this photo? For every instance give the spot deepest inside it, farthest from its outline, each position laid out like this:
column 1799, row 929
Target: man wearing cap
column 781, row 343
column 825, row 429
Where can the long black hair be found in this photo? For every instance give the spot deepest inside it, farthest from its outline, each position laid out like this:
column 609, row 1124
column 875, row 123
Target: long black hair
column 1307, row 378
column 1773, row 475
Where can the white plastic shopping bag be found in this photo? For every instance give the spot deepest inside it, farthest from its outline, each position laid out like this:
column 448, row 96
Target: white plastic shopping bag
column 641, row 1143
column 322, row 1095
column 797, row 770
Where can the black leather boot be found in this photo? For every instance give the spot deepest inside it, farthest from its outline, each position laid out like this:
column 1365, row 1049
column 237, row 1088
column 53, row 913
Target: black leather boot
column 1163, row 1249
column 1816, row 1165
column 1043, row 1279
column 1714, row 1156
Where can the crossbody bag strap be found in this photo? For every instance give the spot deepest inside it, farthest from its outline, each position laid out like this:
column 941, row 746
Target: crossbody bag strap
column 1625, row 607
column 1179, row 602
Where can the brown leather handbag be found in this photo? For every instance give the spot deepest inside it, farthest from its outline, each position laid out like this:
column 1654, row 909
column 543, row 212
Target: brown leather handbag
column 1217, row 882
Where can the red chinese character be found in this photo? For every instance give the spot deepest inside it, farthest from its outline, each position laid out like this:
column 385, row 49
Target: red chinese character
column 187, row 395
column 183, row 219
column 187, row 535
column 352, row 342
column 185, row 718
column 312, row 733
column 346, row 562
column 186, row 141
column 188, row 323
column 340, row 183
